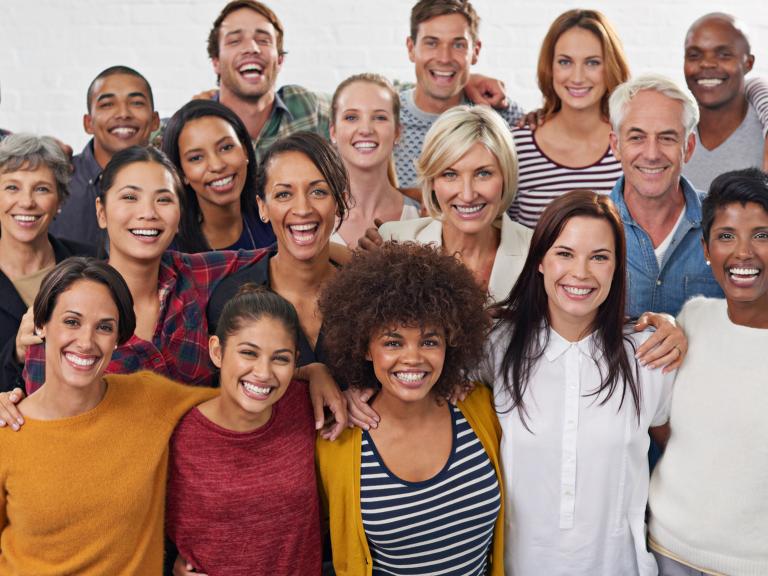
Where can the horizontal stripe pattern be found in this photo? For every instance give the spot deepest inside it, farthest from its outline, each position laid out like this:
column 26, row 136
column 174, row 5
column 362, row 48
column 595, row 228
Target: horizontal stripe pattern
column 442, row 526
column 541, row 180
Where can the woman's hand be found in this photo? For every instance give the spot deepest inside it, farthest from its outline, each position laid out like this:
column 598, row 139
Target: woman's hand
column 531, row 120
column 666, row 347
column 183, row 568
column 460, row 392
column 26, row 337
column 371, row 240
column 359, row 411
column 9, row 414
column 324, row 392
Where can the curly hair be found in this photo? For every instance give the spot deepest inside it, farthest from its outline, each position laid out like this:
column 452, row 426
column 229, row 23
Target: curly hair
column 402, row 284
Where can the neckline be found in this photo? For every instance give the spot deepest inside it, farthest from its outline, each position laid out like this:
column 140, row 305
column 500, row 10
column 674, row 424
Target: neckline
column 558, row 164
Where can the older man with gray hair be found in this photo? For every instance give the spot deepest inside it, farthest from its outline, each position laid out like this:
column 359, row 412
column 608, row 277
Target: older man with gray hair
column 652, row 122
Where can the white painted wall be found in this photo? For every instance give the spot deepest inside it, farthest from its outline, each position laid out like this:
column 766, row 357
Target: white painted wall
column 51, row 49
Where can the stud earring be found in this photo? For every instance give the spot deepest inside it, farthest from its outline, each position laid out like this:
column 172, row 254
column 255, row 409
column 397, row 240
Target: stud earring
column 707, row 261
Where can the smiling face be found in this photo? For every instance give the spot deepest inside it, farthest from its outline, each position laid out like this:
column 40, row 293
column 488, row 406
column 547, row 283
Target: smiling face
column 651, row 145
column 578, row 271
column 29, row 201
column 248, row 62
column 407, row 361
column 213, row 160
column 80, row 335
column 299, row 204
column 469, row 190
column 578, row 76
column 365, row 127
column 716, row 59
column 257, row 364
column 738, row 253
column 140, row 212
column 120, row 115
column 442, row 54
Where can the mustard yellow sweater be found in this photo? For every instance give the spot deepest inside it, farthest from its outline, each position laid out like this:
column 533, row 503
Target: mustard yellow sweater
column 85, row 495
column 338, row 463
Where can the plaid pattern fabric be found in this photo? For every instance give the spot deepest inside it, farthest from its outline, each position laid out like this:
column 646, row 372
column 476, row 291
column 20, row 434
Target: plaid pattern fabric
column 179, row 348
column 295, row 109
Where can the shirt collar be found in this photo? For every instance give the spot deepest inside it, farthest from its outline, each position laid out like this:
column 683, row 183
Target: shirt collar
column 88, row 163
column 690, row 194
column 281, row 105
column 557, row 345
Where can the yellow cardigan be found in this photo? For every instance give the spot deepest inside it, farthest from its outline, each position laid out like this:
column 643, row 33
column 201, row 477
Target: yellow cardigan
column 339, row 470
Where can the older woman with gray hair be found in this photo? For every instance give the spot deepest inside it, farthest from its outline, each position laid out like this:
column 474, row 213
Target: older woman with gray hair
column 34, row 173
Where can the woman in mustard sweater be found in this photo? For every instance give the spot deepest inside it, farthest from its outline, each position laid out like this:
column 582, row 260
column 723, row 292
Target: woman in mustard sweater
column 82, row 485
column 424, row 487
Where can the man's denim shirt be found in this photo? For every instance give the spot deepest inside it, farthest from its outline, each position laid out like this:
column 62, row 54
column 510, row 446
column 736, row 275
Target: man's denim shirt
column 684, row 272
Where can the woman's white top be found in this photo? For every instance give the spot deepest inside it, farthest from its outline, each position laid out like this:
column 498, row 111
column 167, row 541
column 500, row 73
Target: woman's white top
column 577, row 481
column 709, row 492
column 510, row 255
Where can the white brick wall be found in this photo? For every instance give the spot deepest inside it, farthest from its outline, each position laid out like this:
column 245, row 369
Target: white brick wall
column 50, row 50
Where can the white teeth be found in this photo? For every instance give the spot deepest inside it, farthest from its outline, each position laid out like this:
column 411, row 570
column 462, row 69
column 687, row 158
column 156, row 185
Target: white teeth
column 303, row 227
column 253, row 389
column 123, row 131
column 651, row 170
column 222, row 181
column 250, row 68
column 709, row 82
column 145, row 232
column 443, row 74
column 25, row 217
column 469, row 209
column 744, row 271
column 577, row 291
column 365, row 145
column 75, row 359
column 410, row 376
column 578, row 91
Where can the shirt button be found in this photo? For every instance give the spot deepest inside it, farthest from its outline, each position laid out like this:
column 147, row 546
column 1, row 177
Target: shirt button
column 658, row 282
column 157, row 361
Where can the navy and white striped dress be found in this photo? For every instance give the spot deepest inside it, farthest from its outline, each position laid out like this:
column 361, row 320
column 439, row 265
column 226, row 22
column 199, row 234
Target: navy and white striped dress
column 443, row 525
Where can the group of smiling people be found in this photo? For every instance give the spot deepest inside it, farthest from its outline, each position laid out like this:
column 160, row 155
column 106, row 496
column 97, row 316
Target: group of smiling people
column 181, row 403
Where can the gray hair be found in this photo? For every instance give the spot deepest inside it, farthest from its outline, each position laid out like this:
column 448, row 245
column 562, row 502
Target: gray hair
column 452, row 135
column 29, row 152
column 622, row 94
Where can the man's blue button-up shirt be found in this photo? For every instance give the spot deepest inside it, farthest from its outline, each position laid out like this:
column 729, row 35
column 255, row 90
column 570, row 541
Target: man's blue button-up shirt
column 683, row 272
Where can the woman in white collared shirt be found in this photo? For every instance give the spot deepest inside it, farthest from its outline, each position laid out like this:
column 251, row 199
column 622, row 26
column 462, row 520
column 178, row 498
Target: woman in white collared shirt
column 574, row 404
column 468, row 171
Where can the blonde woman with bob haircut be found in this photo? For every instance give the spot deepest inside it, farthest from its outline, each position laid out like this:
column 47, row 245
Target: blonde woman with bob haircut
column 468, row 174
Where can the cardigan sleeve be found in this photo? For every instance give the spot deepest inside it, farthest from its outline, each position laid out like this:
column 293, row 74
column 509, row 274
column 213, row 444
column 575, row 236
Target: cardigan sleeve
column 10, row 377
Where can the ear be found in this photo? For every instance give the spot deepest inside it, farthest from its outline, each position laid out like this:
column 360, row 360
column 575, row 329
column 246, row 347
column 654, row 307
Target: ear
column 706, row 250
column 409, row 44
column 368, row 355
column 155, row 121
column 476, row 51
column 541, row 268
column 749, row 61
column 263, row 209
column 613, row 138
column 332, row 132
column 280, row 60
column 215, row 351
column 215, row 62
column 40, row 332
column 398, row 133
column 88, row 124
column 101, row 215
column 690, row 146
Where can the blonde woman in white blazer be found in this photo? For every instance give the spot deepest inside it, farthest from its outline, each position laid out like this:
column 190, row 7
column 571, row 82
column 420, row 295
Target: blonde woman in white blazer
column 468, row 170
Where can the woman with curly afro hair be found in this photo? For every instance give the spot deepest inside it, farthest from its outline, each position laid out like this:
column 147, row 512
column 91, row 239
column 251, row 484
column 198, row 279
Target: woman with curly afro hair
column 424, row 488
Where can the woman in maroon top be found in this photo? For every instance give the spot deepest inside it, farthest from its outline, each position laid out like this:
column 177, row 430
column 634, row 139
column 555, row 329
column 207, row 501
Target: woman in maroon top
column 242, row 495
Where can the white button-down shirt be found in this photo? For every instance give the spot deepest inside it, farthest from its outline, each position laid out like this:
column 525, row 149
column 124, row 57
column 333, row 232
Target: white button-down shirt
column 577, row 481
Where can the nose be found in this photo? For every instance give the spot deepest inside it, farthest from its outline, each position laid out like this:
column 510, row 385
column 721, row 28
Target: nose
column 27, row 199
column 253, row 46
column 148, row 209
column 412, row 353
column 84, row 338
column 124, row 110
column 744, row 247
column 577, row 75
column 580, row 267
column 365, row 126
column 260, row 368
column 444, row 52
column 301, row 203
column 651, row 150
column 216, row 163
column 467, row 193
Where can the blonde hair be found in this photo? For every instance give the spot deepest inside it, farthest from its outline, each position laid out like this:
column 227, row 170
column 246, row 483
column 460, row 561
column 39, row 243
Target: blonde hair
column 451, row 137
column 382, row 82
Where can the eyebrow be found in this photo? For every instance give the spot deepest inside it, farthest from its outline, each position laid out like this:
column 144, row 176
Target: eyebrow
column 108, row 95
column 140, row 189
column 80, row 315
column 257, row 347
column 242, row 31
column 289, row 185
column 598, row 250
column 200, row 148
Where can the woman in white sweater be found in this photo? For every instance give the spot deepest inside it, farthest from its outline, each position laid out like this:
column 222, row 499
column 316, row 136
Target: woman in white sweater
column 708, row 499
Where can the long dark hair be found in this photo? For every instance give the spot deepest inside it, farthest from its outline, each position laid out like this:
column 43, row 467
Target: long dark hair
column 525, row 311
column 190, row 237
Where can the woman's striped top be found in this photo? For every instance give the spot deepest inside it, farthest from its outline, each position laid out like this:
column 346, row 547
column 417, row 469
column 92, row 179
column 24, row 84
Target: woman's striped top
column 541, row 179
column 443, row 525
